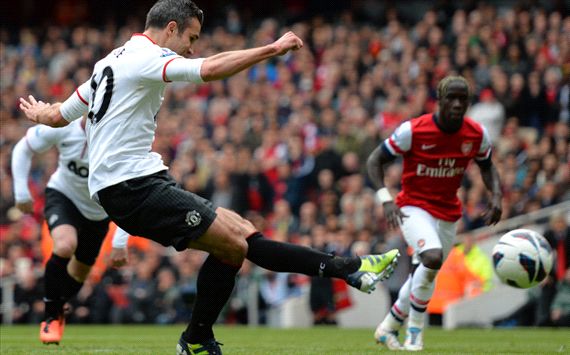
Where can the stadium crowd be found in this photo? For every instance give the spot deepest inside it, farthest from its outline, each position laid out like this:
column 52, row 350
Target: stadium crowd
column 285, row 143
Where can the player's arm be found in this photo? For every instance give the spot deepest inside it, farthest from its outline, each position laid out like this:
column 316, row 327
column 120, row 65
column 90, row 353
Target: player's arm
column 119, row 253
column 38, row 139
column 492, row 182
column 57, row 114
column 376, row 163
column 41, row 112
column 218, row 66
column 226, row 64
column 377, row 160
column 21, row 164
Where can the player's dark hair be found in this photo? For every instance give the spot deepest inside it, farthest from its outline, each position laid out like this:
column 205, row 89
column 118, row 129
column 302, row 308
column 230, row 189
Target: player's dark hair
column 180, row 11
column 445, row 82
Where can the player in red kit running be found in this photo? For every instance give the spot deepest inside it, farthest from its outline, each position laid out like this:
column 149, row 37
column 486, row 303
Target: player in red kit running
column 436, row 149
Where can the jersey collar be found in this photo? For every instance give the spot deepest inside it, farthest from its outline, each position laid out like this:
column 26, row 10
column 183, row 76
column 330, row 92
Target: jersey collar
column 143, row 35
column 434, row 118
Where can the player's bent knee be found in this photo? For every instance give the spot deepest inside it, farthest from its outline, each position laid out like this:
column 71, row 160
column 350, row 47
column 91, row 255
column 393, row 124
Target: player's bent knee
column 233, row 254
column 64, row 241
column 64, row 250
column 238, row 250
column 432, row 259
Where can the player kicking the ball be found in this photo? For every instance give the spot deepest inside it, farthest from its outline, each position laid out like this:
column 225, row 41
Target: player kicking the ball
column 77, row 224
column 436, row 150
column 122, row 98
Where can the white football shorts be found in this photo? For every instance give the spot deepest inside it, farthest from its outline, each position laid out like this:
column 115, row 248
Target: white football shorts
column 422, row 231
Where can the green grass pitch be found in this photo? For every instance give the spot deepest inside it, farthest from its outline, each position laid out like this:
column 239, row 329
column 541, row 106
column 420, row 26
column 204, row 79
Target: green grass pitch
column 129, row 339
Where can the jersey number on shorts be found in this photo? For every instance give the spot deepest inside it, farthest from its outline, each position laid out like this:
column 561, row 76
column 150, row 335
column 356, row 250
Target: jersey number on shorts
column 96, row 117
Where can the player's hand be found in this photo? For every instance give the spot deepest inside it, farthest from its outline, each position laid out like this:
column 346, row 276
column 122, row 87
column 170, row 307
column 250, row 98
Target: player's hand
column 289, row 41
column 32, row 107
column 492, row 215
column 25, row 206
column 393, row 214
column 119, row 257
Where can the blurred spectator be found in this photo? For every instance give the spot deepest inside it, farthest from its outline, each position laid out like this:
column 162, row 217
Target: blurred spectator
column 28, row 298
column 252, row 190
column 560, row 309
column 558, row 235
column 321, row 293
column 564, row 95
column 282, row 221
column 490, row 113
column 141, row 292
column 536, row 108
column 275, row 288
column 168, row 297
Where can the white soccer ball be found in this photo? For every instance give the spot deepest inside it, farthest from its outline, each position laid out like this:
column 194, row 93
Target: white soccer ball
column 522, row 258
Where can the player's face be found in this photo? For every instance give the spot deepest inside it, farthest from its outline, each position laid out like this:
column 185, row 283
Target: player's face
column 453, row 105
column 182, row 42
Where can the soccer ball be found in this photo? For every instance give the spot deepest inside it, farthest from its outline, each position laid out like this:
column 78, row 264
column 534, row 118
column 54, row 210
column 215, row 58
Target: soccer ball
column 522, row 258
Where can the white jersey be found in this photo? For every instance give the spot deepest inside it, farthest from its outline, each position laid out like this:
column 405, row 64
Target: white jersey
column 122, row 98
column 72, row 172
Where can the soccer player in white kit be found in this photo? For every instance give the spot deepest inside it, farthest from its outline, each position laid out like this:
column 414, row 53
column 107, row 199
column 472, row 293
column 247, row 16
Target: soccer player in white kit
column 77, row 224
column 436, row 149
column 122, row 98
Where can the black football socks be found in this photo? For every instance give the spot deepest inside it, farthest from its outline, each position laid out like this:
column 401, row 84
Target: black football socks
column 215, row 285
column 55, row 272
column 287, row 257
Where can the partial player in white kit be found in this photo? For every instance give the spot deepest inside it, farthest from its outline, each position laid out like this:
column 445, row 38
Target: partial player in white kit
column 436, row 149
column 77, row 224
column 122, row 100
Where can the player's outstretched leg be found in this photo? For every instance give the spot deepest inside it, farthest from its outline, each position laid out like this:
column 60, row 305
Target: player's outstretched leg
column 363, row 273
column 373, row 269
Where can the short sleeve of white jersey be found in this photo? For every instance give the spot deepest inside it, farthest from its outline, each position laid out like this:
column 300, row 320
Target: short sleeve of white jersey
column 76, row 105
column 485, row 149
column 401, row 140
column 40, row 138
column 171, row 67
column 183, row 69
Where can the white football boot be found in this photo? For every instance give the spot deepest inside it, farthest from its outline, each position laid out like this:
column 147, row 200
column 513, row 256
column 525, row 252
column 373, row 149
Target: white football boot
column 414, row 339
column 388, row 338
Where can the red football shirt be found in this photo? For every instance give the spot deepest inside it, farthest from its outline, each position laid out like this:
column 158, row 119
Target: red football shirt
column 435, row 161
